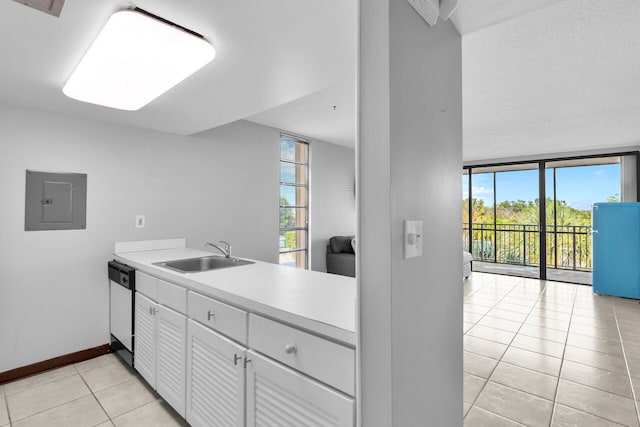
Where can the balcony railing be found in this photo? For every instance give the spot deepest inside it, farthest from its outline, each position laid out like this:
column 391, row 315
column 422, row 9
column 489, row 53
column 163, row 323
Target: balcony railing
column 568, row 246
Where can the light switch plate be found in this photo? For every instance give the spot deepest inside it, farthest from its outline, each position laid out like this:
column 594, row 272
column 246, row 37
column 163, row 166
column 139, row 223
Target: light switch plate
column 140, row 221
column 412, row 238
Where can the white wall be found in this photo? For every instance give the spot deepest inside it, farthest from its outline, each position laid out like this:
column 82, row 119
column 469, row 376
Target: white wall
column 332, row 174
column 53, row 287
column 409, row 162
column 333, row 206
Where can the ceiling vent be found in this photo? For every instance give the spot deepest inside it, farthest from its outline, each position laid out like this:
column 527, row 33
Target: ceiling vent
column 52, row 7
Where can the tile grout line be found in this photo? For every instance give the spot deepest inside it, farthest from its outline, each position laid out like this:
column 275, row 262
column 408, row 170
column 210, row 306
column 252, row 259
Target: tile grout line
column 475, row 292
column 564, row 350
column 91, row 393
column 574, row 306
column 589, row 386
column 6, row 400
column 553, row 402
column 594, row 387
column 6, row 404
column 509, row 346
column 522, row 323
column 561, row 359
column 475, row 323
column 626, row 363
column 48, row 409
column 501, row 416
column 40, row 384
column 136, row 376
column 96, row 398
column 597, row 367
column 156, row 396
column 486, row 314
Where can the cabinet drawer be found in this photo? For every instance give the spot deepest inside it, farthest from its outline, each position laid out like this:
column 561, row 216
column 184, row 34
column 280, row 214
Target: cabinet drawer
column 225, row 319
column 329, row 362
column 147, row 285
column 172, row 296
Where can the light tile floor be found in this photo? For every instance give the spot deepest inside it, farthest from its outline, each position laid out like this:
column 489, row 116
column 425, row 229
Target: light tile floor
column 100, row 392
column 542, row 353
column 535, row 354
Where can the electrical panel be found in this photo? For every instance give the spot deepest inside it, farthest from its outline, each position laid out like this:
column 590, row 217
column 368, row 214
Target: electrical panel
column 55, row 201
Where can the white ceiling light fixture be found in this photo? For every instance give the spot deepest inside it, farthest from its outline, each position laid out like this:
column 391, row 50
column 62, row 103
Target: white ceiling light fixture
column 136, row 58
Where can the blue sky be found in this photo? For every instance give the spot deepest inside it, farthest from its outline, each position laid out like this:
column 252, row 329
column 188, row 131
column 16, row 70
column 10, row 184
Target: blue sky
column 580, row 186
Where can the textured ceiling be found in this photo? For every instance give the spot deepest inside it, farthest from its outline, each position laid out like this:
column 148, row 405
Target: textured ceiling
column 564, row 78
column 474, row 15
column 539, row 76
column 328, row 115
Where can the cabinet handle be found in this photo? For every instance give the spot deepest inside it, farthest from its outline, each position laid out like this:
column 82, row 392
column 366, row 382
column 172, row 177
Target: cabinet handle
column 153, row 311
column 246, row 362
column 210, row 315
column 290, row 349
column 236, row 358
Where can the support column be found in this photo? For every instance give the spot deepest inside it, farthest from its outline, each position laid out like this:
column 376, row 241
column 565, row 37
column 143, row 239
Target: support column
column 409, row 157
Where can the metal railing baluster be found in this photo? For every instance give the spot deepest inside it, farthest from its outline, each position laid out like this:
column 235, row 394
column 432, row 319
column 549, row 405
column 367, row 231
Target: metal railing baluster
column 508, row 244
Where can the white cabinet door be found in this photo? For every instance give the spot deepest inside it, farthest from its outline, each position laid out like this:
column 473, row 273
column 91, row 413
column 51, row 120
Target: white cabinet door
column 171, row 361
column 215, row 379
column 145, row 338
column 279, row 396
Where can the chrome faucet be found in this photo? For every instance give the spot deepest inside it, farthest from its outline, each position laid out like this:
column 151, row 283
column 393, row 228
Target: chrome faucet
column 226, row 250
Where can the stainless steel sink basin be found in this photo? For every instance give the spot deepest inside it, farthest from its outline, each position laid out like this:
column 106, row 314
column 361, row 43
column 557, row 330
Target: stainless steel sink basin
column 206, row 263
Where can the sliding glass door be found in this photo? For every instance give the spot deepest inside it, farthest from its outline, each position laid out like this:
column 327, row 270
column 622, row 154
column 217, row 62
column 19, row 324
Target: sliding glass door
column 517, row 218
column 572, row 187
column 509, row 231
column 483, row 229
column 505, row 227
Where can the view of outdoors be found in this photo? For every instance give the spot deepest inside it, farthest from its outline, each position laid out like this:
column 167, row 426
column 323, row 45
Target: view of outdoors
column 294, row 178
column 505, row 211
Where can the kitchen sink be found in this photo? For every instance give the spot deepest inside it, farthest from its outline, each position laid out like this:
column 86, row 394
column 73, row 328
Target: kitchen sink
column 205, row 263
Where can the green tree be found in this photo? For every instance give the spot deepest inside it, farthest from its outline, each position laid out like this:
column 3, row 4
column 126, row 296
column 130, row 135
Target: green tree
column 288, row 219
column 566, row 215
column 517, row 212
column 526, row 212
column 481, row 213
column 290, row 239
column 286, row 214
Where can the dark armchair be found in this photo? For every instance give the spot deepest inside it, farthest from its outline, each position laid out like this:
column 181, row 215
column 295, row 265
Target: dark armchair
column 341, row 257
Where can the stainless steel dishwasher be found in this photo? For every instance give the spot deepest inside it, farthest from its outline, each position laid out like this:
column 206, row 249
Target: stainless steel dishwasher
column 122, row 287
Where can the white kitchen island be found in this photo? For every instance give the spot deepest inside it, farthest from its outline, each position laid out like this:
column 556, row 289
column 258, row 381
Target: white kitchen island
column 257, row 344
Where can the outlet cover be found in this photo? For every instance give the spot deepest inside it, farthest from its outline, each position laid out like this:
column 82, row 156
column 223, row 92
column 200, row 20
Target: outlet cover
column 140, row 221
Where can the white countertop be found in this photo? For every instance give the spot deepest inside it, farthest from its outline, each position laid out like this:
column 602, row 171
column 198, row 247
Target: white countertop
column 319, row 302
